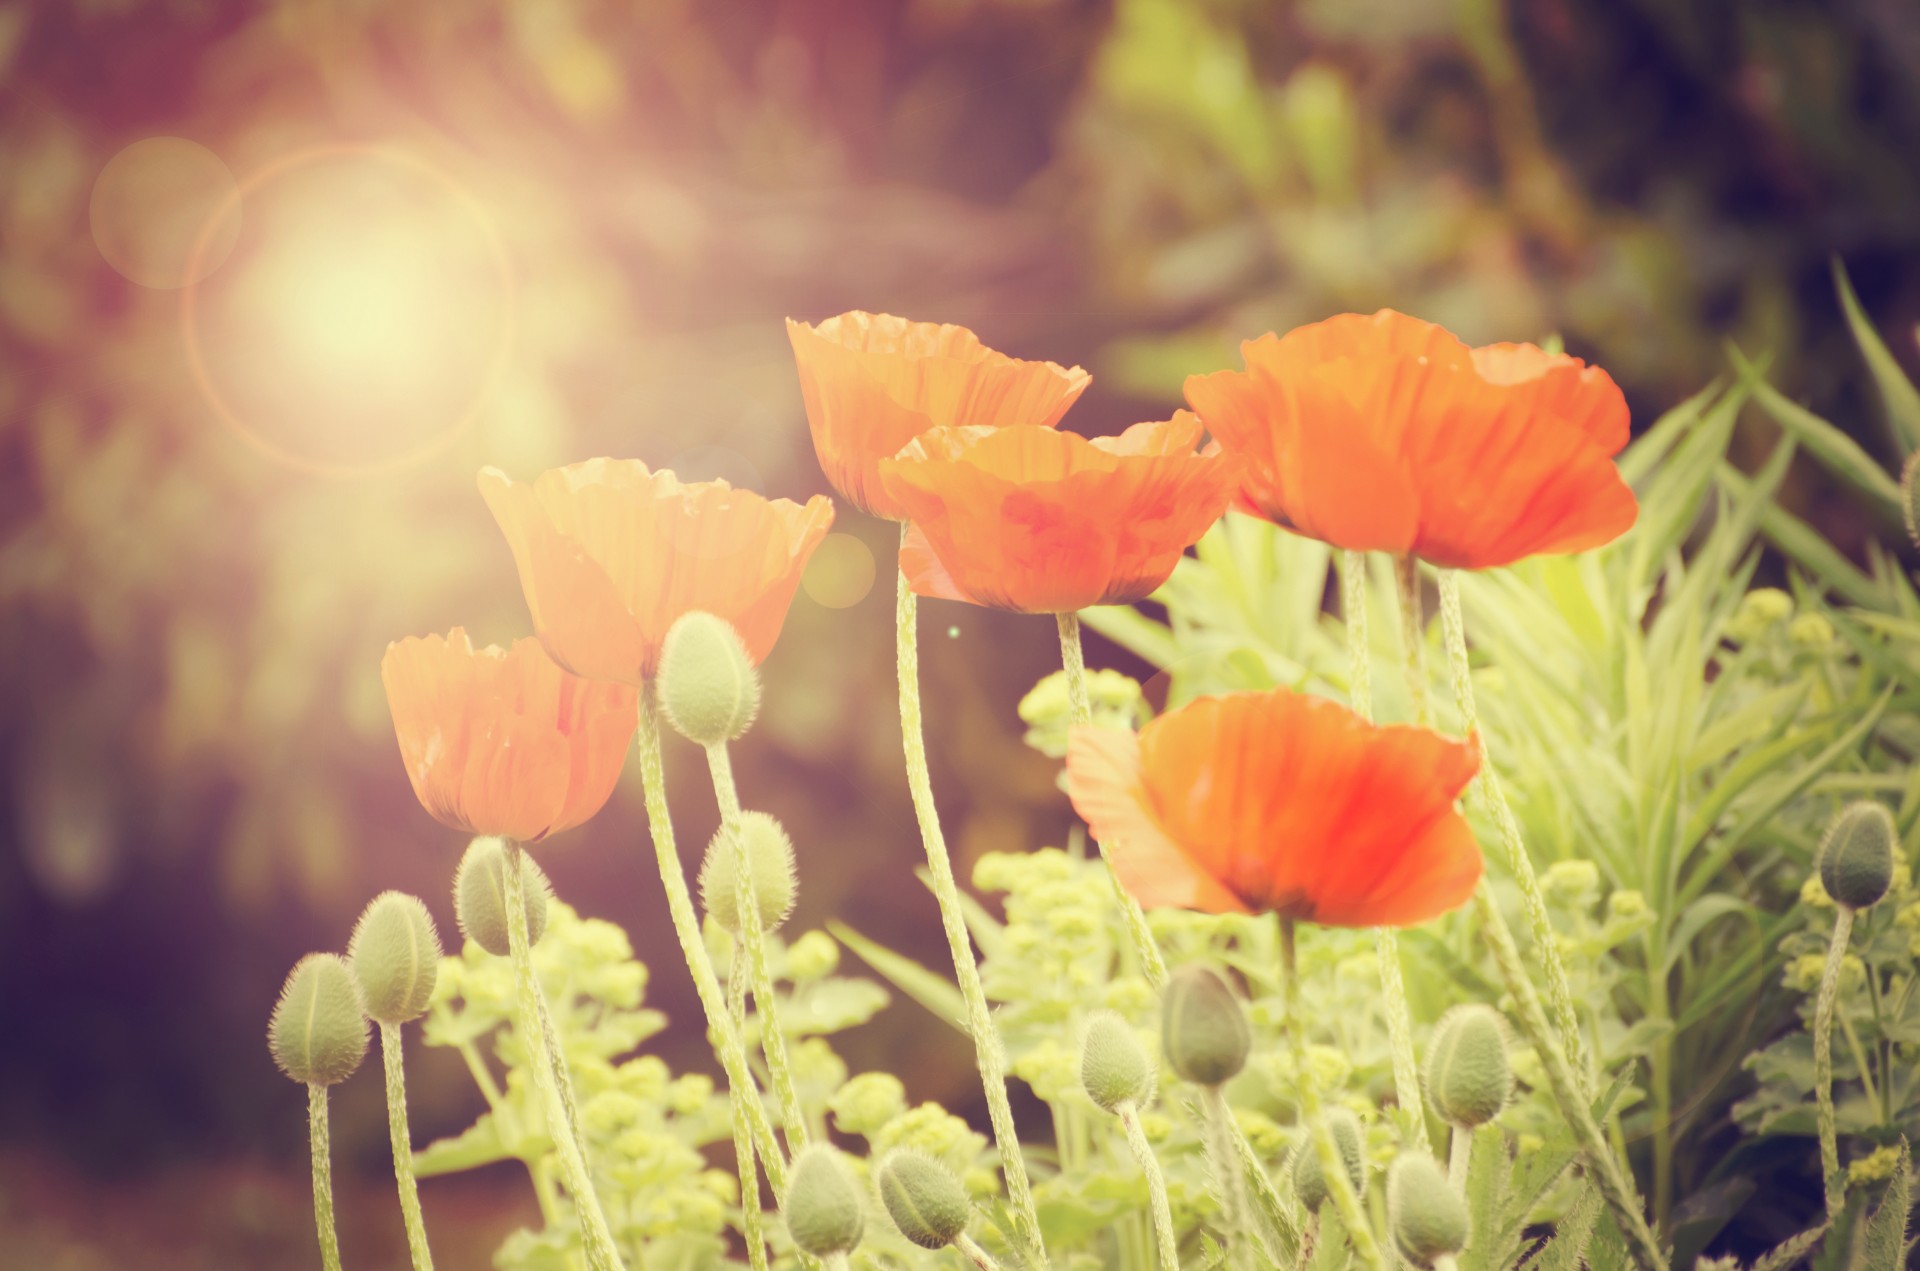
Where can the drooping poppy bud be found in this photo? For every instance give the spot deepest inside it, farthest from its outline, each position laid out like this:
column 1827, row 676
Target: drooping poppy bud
column 823, row 1209
column 1114, row 1066
column 1469, row 1078
column 480, row 896
column 395, row 954
column 708, row 684
column 924, row 1199
column 770, row 856
column 1425, row 1212
column 1856, row 857
column 318, row 1033
column 1203, row 1028
column 1309, row 1180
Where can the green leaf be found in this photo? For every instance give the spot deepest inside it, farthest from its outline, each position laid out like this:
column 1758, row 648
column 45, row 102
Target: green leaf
column 1702, row 1216
column 831, row 1006
column 1569, row 1244
column 932, row 991
column 1330, row 1248
column 1887, row 1230
column 1791, row 1250
column 1897, row 393
column 1806, row 547
column 1494, row 1231
column 479, row 1144
column 1134, row 632
column 1837, row 452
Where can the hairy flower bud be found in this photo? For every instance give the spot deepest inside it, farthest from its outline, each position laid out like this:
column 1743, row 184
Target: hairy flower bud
column 1203, row 1028
column 395, row 954
column 318, row 1033
column 1856, row 857
column 924, row 1199
column 1114, row 1066
column 823, row 1209
column 769, row 853
column 1469, row 1078
column 708, row 685
column 1309, row 1180
column 480, row 896
column 1425, row 1212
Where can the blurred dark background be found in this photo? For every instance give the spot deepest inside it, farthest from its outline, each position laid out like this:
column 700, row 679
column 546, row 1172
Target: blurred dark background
column 524, row 232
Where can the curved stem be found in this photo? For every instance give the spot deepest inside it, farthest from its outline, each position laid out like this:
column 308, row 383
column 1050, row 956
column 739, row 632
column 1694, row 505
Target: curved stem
column 979, row 1022
column 750, row 1225
column 403, row 1148
column 594, row 1233
column 1156, row 1187
column 1339, row 1185
column 1831, row 1186
column 322, row 1177
column 751, row 938
column 686, row 926
column 981, row 1258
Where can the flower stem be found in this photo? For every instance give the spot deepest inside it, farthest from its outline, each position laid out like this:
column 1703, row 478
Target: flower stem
column 1233, row 1194
column 1460, row 1154
column 594, row 1233
column 1831, row 1186
column 686, row 926
column 390, row 1055
column 746, row 900
column 750, row 1226
column 981, row 1258
column 1411, row 1111
column 1339, row 1185
column 1156, row 1187
column 1413, row 638
column 979, row 1022
column 322, row 1177
column 1540, row 927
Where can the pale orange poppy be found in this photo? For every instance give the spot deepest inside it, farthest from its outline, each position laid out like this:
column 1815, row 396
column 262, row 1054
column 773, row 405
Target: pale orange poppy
column 1280, row 802
column 611, row 554
column 873, row 382
column 1039, row 521
column 1386, row 433
column 502, row 741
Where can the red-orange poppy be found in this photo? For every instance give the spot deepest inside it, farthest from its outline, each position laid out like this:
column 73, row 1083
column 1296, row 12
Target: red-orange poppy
column 873, row 382
column 610, row 554
column 502, row 741
column 1039, row 521
column 1386, row 433
column 1281, row 802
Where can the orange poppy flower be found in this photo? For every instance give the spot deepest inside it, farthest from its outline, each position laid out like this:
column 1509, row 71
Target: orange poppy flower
column 873, row 382
column 610, row 554
column 502, row 741
column 1039, row 521
column 1281, row 802
column 1386, row 433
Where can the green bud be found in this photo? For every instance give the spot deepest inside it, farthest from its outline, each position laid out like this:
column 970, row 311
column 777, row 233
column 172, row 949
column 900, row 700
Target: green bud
column 1203, row 1028
column 1309, row 1180
column 318, row 1033
column 1856, row 857
column 1425, row 1212
column 395, row 954
column 1114, row 1066
column 823, row 1209
column 770, row 853
column 1468, row 1077
column 708, row 685
column 480, row 896
column 923, row 1197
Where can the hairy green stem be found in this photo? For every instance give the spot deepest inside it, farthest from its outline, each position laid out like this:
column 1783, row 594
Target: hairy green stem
column 981, row 1258
column 1218, row 1120
column 1339, row 1186
column 1831, row 1185
column 1540, row 927
column 416, row 1225
column 1413, row 638
column 602, row 1255
column 686, row 927
column 746, row 900
column 1156, row 1186
column 751, row 1229
column 322, row 1176
column 1460, row 1152
column 988, row 1054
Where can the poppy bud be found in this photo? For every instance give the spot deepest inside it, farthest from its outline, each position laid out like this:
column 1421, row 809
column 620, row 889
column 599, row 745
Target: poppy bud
column 318, row 1033
column 1309, row 1180
column 1425, row 1212
column 769, row 853
column 1203, row 1029
column 480, row 896
column 823, row 1210
column 1468, row 1077
column 924, row 1199
column 1114, row 1066
column 1856, row 857
column 395, row 954
column 708, row 684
